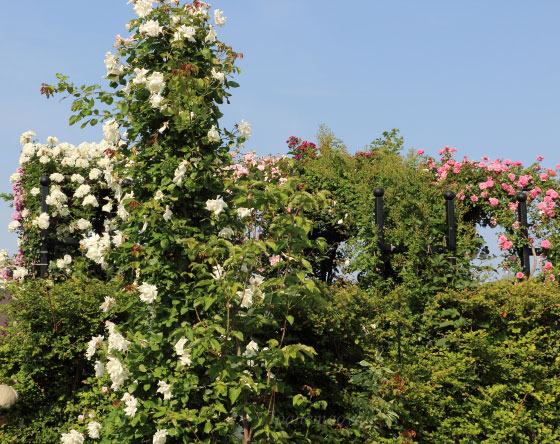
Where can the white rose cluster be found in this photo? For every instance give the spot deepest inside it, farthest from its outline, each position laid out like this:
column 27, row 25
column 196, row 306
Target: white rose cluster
column 131, row 404
column 180, row 172
column 74, row 437
column 96, row 247
column 117, row 372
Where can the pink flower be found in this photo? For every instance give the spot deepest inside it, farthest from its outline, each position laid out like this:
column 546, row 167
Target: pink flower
column 504, row 244
column 553, row 194
column 474, row 198
column 420, row 152
column 482, row 185
column 493, row 201
column 511, row 176
column 516, row 224
column 539, row 158
column 545, row 244
column 274, row 259
column 519, row 275
column 493, row 221
column 544, row 177
column 484, row 194
column 547, row 266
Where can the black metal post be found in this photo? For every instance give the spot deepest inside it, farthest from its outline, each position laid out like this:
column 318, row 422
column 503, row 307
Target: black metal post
column 450, row 220
column 44, row 253
column 522, row 214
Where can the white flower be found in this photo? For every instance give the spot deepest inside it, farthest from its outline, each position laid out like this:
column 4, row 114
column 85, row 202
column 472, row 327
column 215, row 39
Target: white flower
column 185, row 32
column 99, row 369
column 108, row 207
column 256, row 280
column 175, row 20
column 57, row 177
column 64, row 262
column 43, row 221
column 90, row 200
column 93, row 430
column 83, row 224
column 219, row 18
column 180, row 172
column 219, row 76
column 251, row 349
column 28, row 150
column 218, row 272
column 155, row 101
column 111, row 132
column 216, row 205
column 94, row 173
column 52, row 140
column 180, row 346
column 131, row 403
column 164, row 389
column 160, row 436
column 185, row 359
column 96, row 247
column 78, row 178
column 74, row 437
column 226, row 233
column 116, row 340
column 244, row 212
column 245, row 129
column 94, row 342
column 107, row 304
column 213, row 135
column 142, row 8
column 151, row 28
column 140, row 76
column 13, row 226
column 246, row 298
column 159, row 195
column 168, row 213
column 155, row 82
column 82, row 190
column 117, row 372
column 211, row 36
column 26, row 137
column 148, row 292
column 35, row 191
column 20, row 273
column 118, row 238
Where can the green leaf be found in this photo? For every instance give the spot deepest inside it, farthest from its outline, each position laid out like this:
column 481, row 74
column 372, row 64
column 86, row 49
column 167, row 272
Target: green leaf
column 234, row 393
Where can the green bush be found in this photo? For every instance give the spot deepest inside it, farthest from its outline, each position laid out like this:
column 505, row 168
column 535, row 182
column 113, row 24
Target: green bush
column 42, row 354
column 483, row 365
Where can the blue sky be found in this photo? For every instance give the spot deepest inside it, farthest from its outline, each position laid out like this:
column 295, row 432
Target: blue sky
column 480, row 76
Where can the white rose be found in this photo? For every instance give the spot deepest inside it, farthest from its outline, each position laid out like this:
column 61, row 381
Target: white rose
column 148, row 292
column 213, row 135
column 245, row 129
column 216, row 205
column 156, row 82
column 219, row 76
column 219, row 18
column 111, row 132
column 151, row 28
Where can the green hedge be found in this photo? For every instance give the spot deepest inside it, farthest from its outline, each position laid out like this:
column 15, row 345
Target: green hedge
column 42, row 354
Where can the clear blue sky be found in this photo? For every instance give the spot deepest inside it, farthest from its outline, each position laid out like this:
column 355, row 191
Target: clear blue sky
column 481, row 76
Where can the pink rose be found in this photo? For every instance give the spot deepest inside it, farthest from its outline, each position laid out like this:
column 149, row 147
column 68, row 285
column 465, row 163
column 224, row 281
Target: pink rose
column 547, row 266
column 519, row 275
column 474, row 198
column 274, row 259
column 539, row 158
column 545, row 244
column 493, row 201
column 420, row 152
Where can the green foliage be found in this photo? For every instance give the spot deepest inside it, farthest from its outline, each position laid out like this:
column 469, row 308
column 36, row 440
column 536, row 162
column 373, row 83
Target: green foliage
column 481, row 366
column 42, row 353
